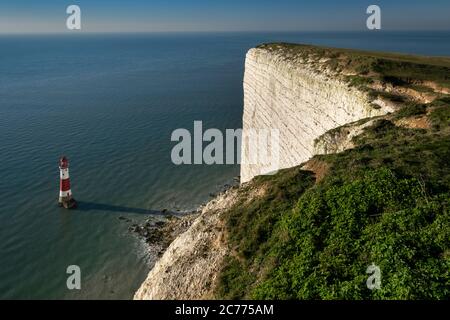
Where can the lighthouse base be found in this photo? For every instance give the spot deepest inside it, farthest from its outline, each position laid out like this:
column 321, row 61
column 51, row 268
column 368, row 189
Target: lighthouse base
column 67, row 203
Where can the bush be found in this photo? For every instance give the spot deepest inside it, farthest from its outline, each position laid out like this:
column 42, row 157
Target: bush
column 336, row 233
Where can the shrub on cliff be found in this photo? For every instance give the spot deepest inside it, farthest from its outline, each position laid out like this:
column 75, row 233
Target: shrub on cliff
column 335, row 233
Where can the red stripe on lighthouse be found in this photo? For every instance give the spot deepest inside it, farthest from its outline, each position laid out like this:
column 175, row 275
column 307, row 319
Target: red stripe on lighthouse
column 65, row 185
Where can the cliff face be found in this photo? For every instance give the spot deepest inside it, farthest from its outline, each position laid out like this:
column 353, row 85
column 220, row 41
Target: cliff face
column 320, row 101
column 300, row 97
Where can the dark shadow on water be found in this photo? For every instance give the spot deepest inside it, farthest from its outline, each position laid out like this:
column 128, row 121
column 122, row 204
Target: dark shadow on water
column 93, row 206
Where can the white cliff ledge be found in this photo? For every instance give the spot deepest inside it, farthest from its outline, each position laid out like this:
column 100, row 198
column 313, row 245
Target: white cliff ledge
column 299, row 96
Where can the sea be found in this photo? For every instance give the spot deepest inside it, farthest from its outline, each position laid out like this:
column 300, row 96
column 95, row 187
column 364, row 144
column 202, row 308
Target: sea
column 110, row 103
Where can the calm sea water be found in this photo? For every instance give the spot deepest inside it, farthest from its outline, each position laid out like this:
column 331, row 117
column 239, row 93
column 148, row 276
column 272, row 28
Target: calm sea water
column 110, row 103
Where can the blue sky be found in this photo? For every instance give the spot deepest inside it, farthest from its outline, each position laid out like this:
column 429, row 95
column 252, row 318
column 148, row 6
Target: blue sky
column 23, row 16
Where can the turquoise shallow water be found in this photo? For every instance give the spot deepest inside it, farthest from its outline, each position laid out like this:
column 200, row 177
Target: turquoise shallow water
column 110, row 103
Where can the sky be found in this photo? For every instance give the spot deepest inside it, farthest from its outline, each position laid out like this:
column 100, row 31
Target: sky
column 49, row 16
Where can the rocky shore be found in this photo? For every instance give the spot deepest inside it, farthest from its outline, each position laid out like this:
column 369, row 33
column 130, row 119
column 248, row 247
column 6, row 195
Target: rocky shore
column 189, row 266
column 159, row 234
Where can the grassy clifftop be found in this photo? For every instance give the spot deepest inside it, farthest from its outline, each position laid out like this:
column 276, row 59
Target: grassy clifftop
column 311, row 234
column 394, row 77
column 391, row 67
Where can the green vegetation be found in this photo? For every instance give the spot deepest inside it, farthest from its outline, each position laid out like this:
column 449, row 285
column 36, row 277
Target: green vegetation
column 412, row 109
column 251, row 226
column 358, row 81
column 396, row 69
column 335, row 232
column 440, row 117
column 387, row 95
column 384, row 202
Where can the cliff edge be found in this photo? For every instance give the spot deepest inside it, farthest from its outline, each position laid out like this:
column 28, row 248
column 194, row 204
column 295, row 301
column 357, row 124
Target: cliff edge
column 301, row 97
column 365, row 142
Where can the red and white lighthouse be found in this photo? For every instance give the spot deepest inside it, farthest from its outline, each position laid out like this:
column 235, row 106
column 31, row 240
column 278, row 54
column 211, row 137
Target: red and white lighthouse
column 65, row 194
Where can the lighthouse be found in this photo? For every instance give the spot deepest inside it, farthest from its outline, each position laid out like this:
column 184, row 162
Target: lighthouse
column 65, row 194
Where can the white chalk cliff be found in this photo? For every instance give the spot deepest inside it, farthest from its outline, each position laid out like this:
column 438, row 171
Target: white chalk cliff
column 302, row 99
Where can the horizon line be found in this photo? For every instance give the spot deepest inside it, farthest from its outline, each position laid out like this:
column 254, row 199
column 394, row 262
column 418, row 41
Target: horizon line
column 79, row 32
